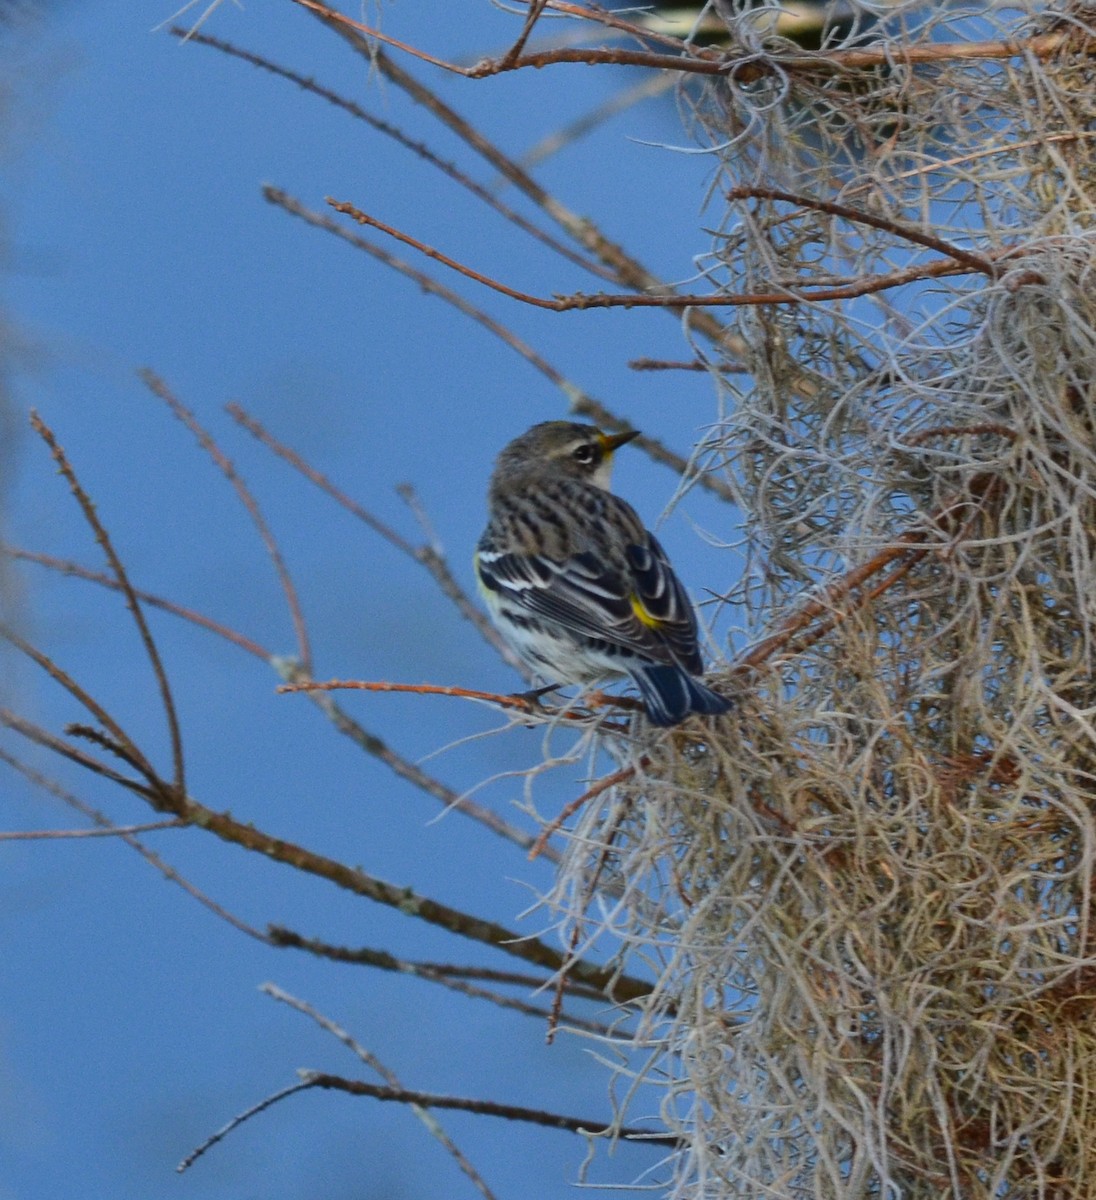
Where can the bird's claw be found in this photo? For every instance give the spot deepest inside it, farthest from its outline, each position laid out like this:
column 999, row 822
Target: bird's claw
column 531, row 698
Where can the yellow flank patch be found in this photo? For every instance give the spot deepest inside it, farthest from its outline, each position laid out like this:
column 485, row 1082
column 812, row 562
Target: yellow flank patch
column 642, row 615
column 484, row 590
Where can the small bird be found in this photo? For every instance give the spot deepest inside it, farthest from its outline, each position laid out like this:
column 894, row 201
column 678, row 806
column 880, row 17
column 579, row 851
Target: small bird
column 576, row 584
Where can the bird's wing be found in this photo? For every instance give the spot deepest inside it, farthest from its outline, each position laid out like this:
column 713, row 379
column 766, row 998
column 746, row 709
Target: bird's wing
column 639, row 606
column 665, row 606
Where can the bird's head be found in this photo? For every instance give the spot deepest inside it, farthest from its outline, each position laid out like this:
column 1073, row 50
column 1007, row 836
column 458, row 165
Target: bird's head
column 563, row 448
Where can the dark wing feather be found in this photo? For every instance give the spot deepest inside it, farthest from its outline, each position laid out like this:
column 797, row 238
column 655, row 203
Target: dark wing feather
column 590, row 596
column 660, row 593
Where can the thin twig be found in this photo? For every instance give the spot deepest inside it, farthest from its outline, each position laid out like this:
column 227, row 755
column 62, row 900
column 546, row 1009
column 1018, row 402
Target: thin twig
column 536, row 9
column 695, row 61
column 522, row 703
column 382, row 960
column 977, row 262
column 66, row 567
column 988, row 427
column 405, row 769
column 911, row 546
column 602, row 785
column 693, row 364
column 237, row 1121
column 410, row 903
column 120, row 743
column 150, row 856
column 491, row 1108
column 279, row 935
column 367, row 741
column 579, row 401
column 358, row 882
column 420, row 149
column 581, row 301
column 159, row 388
column 134, row 606
column 559, row 139
column 426, row 556
column 371, row 1060
column 627, row 269
column 357, row 1087
column 680, row 61
column 42, row 835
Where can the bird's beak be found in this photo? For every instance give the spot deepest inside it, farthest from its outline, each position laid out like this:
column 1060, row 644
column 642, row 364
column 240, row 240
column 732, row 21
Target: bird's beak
column 613, row 441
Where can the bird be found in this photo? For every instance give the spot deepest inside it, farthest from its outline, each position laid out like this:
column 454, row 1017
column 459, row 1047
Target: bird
column 577, row 586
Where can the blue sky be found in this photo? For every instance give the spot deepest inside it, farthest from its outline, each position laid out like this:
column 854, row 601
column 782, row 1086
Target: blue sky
column 131, row 1025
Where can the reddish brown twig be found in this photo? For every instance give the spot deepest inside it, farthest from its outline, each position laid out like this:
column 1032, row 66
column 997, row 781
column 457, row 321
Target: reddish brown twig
column 418, row 148
column 989, row 427
column 580, row 301
column 568, row 810
column 628, row 270
column 66, row 567
column 694, row 60
column 579, row 401
column 683, row 60
column 828, row 602
column 425, row 554
column 496, row 699
column 134, row 605
column 834, row 599
column 159, row 388
column 976, row 262
column 513, row 55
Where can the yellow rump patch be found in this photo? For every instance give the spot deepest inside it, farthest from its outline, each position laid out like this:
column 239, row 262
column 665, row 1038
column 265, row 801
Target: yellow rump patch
column 642, row 615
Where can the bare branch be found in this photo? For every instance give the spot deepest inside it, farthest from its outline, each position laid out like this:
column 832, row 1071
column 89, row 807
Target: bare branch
column 237, row 1121
column 490, row 1108
column 410, row 903
column 433, row 1127
column 640, row 58
column 626, row 268
column 121, row 743
column 693, row 60
column 425, row 555
column 66, row 797
column 977, row 262
column 579, row 401
column 405, row 769
column 159, row 388
column 44, row 835
column 134, row 606
column 580, row 301
column 446, row 977
column 365, row 956
column 418, row 148
column 66, row 567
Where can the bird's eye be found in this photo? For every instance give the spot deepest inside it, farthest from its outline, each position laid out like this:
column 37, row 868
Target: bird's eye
column 584, row 453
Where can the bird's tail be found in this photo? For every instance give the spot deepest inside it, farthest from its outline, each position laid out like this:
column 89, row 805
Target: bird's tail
column 671, row 693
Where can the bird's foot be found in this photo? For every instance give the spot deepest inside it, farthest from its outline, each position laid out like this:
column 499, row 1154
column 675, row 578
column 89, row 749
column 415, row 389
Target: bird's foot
column 531, row 698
